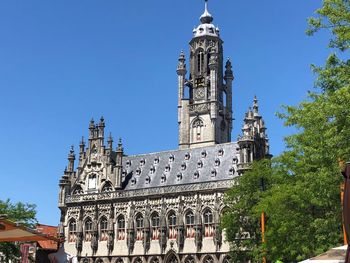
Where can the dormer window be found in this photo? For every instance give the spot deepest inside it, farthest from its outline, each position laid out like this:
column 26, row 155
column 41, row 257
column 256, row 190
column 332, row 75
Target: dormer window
column 128, row 163
column 124, row 173
column 232, row 171
column 152, row 170
column 196, row 175
column 204, row 153
column 163, row 178
column 133, row 181
column 213, row 173
column 167, row 168
column 148, row 179
column 187, row 156
column 199, row 164
column 179, row 176
column 235, row 160
column 183, row 166
column 221, row 152
column 156, row 160
column 217, row 162
column 138, row 171
column 142, row 162
column 171, row 158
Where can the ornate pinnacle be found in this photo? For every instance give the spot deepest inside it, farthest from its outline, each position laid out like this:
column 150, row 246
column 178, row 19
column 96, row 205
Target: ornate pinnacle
column 255, row 105
column 110, row 141
column 120, row 145
column 92, row 123
column 181, row 66
column 228, row 71
column 102, row 122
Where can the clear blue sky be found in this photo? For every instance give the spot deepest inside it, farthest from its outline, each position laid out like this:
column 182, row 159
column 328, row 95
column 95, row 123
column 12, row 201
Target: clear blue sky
column 64, row 62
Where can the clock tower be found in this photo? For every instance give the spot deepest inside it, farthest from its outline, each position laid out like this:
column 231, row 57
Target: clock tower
column 205, row 96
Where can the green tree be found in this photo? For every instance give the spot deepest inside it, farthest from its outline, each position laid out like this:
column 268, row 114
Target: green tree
column 302, row 199
column 18, row 212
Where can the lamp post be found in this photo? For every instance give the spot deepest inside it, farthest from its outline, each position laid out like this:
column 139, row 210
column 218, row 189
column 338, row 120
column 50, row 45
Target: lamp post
column 262, row 218
column 342, row 201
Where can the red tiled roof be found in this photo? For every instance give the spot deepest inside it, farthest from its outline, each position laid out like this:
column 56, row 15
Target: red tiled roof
column 48, row 230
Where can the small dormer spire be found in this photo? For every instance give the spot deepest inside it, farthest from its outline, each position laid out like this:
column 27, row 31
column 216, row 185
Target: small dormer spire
column 120, row 145
column 110, row 141
column 71, row 158
column 255, row 105
column 82, row 145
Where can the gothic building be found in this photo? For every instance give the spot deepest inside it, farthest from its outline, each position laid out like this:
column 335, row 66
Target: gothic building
column 164, row 206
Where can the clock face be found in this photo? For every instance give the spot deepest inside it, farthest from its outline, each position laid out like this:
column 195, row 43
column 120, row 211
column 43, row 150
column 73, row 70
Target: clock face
column 199, row 94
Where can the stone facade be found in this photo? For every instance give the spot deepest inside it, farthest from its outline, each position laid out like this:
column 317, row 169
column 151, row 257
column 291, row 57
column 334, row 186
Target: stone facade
column 165, row 206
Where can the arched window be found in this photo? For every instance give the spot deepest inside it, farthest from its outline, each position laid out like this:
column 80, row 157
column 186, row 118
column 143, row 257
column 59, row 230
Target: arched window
column 155, row 226
column 121, row 227
column 119, row 260
column 88, row 230
column 172, row 225
column 139, row 227
column 200, row 62
column 224, row 98
column 72, row 235
column 208, row 223
column 103, row 229
column 138, row 260
column 189, row 224
column 208, row 61
column 208, row 259
column 107, row 187
column 189, row 259
column 154, row 260
column 197, row 128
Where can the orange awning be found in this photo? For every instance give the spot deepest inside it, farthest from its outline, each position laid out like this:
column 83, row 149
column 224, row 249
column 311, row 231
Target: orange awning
column 10, row 232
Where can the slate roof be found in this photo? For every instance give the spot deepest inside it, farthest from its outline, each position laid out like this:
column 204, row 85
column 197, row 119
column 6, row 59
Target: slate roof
column 177, row 167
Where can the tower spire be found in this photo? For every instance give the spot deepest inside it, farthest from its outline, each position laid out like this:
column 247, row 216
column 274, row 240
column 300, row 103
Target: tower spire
column 206, row 17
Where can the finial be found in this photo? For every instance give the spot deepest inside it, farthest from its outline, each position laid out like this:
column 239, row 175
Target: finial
column 255, row 104
column 71, row 149
column 92, row 123
column 82, row 142
column 102, row 121
column 206, row 18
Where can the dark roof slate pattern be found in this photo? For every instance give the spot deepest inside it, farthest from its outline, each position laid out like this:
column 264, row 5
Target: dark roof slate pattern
column 188, row 166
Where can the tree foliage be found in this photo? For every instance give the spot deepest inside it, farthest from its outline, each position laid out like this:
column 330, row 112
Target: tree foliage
column 18, row 212
column 302, row 197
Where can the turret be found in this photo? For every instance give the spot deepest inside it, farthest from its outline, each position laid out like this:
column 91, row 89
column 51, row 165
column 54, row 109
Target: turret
column 253, row 143
column 71, row 158
column 110, row 142
column 119, row 164
column 205, row 116
column 81, row 148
